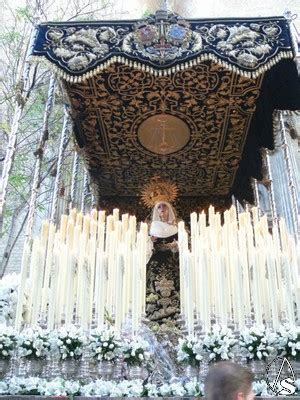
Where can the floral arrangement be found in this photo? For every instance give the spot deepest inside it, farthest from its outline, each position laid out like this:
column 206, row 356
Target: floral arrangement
column 104, row 344
column 33, row 343
column 133, row 388
column 7, row 341
column 219, row 343
column 135, row 351
column 288, row 341
column 8, row 297
column 190, row 351
column 258, row 343
column 69, row 342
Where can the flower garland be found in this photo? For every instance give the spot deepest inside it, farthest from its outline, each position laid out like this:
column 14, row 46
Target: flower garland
column 129, row 388
column 255, row 343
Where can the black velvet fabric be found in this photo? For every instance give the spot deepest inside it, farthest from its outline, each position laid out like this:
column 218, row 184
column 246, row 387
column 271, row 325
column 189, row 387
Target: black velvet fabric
column 280, row 91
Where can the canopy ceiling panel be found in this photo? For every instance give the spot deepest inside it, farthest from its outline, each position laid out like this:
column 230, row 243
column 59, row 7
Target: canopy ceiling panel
column 186, row 100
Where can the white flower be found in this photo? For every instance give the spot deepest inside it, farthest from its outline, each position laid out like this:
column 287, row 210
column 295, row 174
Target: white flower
column 177, row 389
column 3, row 388
column 193, row 388
column 165, row 390
column 72, row 387
column 260, row 388
column 152, row 390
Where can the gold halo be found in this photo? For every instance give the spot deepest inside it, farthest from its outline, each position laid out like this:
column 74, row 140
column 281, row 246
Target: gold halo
column 158, row 190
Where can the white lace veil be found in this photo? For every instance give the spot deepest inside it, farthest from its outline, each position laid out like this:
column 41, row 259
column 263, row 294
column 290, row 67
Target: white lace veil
column 172, row 216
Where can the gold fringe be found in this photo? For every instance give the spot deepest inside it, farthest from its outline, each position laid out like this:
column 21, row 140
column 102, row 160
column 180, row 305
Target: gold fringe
column 163, row 72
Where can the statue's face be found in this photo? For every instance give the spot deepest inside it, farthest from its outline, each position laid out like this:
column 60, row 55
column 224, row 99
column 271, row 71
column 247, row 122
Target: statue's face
column 163, row 212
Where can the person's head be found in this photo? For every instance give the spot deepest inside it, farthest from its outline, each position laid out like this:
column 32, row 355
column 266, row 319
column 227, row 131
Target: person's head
column 164, row 212
column 228, row 381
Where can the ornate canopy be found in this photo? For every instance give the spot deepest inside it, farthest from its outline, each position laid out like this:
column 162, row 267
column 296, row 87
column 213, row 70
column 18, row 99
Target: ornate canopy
column 190, row 101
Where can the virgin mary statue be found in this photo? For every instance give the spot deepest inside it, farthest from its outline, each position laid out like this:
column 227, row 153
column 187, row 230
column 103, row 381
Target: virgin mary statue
column 162, row 301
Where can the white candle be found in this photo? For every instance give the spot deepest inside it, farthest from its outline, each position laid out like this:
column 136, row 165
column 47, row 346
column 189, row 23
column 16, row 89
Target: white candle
column 202, row 223
column 257, row 287
column 211, row 215
column 53, row 283
column 45, row 232
column 135, row 292
column 45, row 294
column 203, row 284
column 272, row 286
column 72, row 215
column 144, row 239
column 63, row 227
column 101, row 286
column 70, row 280
column 119, row 291
column 289, row 290
column 91, row 277
column 115, row 215
column 79, row 219
column 94, row 214
column 127, row 274
column 189, row 289
column 125, row 225
column 33, row 276
column 22, row 285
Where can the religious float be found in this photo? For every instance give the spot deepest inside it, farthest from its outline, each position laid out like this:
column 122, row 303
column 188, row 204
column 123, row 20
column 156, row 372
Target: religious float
column 180, row 111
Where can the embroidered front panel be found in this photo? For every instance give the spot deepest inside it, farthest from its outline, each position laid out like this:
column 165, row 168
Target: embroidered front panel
column 161, row 43
column 215, row 104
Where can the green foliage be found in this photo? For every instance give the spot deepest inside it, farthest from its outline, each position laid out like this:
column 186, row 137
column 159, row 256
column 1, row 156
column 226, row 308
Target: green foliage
column 24, row 13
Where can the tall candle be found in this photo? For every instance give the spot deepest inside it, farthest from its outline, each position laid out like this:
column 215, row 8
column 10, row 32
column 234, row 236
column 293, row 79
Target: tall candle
column 116, row 215
column 128, row 274
column 272, row 287
column 202, row 223
column 53, row 284
column 45, row 232
column 63, row 227
column 45, row 294
column 69, row 287
column 289, row 290
column 211, row 215
column 144, row 240
column 94, row 214
column 22, row 286
column 189, row 289
column 79, row 219
column 119, row 291
column 100, row 291
column 257, row 288
column 135, row 293
column 125, row 225
column 73, row 214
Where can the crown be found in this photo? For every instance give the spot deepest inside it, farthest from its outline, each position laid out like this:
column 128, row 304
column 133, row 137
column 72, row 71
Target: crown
column 158, row 190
